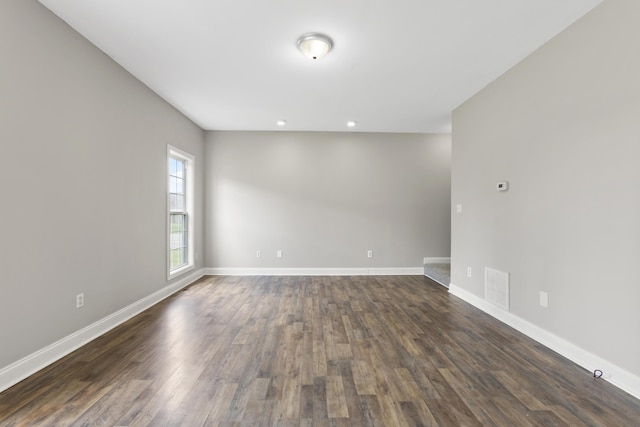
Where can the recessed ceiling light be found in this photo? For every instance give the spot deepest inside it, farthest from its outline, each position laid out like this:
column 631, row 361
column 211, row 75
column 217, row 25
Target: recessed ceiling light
column 314, row 46
column 351, row 123
column 281, row 122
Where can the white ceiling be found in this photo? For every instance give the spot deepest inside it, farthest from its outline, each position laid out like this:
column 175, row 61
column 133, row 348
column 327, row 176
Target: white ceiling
column 396, row 66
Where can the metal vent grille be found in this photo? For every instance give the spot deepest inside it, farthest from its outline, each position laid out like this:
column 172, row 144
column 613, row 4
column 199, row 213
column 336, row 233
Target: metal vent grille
column 496, row 287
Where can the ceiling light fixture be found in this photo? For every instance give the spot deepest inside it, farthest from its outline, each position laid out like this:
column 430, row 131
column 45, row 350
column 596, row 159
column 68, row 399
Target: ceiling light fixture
column 314, row 46
column 281, row 122
column 351, row 123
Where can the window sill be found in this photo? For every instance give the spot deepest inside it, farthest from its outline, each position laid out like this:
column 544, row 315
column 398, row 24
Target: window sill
column 180, row 271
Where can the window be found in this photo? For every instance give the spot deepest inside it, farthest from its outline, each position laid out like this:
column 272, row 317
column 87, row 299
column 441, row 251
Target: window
column 180, row 212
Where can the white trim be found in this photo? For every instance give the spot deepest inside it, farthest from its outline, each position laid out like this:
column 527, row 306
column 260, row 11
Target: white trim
column 180, row 271
column 29, row 365
column 403, row 271
column 614, row 374
column 437, row 260
column 406, row 271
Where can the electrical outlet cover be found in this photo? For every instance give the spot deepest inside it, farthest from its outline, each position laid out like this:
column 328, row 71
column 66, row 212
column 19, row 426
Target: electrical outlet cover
column 544, row 299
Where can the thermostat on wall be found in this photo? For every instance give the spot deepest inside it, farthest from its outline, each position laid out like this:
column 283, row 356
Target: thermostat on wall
column 503, row 186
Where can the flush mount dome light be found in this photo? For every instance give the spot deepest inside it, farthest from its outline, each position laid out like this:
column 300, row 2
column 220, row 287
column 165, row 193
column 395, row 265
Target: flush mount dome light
column 314, row 46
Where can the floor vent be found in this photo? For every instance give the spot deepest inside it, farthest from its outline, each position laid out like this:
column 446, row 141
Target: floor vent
column 496, row 287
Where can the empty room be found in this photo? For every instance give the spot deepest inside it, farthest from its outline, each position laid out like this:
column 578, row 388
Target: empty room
column 361, row 213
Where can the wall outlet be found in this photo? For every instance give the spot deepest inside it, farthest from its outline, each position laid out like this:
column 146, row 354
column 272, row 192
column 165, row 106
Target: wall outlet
column 278, row 254
column 468, row 271
column 258, row 253
column 369, row 254
column 459, row 208
column 79, row 300
column 544, row 299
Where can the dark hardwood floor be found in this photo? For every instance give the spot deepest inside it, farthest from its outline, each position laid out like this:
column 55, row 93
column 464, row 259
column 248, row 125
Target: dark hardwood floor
column 384, row 351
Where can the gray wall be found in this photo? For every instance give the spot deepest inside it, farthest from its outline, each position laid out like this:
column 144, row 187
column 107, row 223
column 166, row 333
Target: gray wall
column 324, row 199
column 83, row 181
column 564, row 128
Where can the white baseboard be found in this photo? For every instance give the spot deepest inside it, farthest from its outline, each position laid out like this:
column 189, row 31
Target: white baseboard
column 402, row 271
column 29, row 365
column 614, row 374
column 406, row 271
column 437, row 260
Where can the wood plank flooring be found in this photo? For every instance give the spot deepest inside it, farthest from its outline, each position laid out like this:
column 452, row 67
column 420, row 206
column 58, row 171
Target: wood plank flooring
column 315, row 351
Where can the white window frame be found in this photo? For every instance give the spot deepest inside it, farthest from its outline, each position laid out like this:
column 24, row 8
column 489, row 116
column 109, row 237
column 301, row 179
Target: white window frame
column 189, row 161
